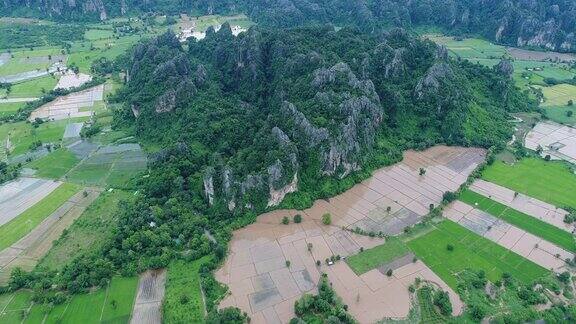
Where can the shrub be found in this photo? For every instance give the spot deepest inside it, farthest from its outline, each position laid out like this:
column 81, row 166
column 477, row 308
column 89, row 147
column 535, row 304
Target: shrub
column 389, row 273
column 450, row 247
column 442, row 300
column 327, row 219
column 297, row 218
column 285, row 220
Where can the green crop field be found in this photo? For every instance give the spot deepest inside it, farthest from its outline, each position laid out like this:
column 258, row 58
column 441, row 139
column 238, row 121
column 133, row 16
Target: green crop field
column 54, row 165
column 470, row 251
column 559, row 114
column 183, row 284
column 33, row 88
column 88, row 233
column 111, row 305
column 10, row 108
column 523, row 221
column 18, row 227
column 377, row 256
column 551, row 181
column 94, row 34
column 22, row 134
column 559, row 95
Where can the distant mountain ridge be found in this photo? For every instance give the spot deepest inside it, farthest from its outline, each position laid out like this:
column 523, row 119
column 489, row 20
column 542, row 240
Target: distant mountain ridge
column 549, row 24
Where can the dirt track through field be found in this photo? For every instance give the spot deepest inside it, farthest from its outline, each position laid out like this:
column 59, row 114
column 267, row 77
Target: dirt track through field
column 30, row 249
column 511, row 237
column 148, row 305
column 266, row 288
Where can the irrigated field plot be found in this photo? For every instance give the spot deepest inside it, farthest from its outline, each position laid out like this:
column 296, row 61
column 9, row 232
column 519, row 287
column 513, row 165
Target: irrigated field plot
column 110, row 305
column 10, row 108
column 544, row 230
column 78, row 104
column 19, row 195
column 556, row 140
column 54, row 165
column 470, row 250
column 148, row 304
column 552, row 182
column 374, row 257
column 112, row 165
column 510, row 237
column 262, row 284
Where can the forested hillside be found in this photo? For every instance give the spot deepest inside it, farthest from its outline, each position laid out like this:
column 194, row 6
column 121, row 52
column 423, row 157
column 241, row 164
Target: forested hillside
column 548, row 24
column 268, row 112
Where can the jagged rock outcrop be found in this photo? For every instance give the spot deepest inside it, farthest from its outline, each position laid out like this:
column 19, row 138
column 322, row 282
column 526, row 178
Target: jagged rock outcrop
column 166, row 102
column 505, row 68
column 208, row 182
column 433, row 79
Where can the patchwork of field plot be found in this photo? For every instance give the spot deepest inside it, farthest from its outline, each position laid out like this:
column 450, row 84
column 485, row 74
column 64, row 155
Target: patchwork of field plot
column 470, row 251
column 78, row 104
column 551, row 182
column 112, row 165
column 263, row 285
column 37, row 241
column 556, row 140
column 110, row 305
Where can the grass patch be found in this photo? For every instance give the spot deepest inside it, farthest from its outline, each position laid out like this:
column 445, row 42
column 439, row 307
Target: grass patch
column 377, row 256
column 33, row 88
column 120, row 300
column 470, row 251
column 88, row 233
column 428, row 311
column 22, row 134
column 10, row 108
column 549, row 181
column 559, row 114
column 559, row 95
column 523, row 221
column 18, row 227
column 54, row 165
column 183, row 302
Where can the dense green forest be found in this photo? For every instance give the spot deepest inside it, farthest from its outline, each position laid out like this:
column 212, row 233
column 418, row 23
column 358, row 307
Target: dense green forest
column 234, row 121
column 544, row 23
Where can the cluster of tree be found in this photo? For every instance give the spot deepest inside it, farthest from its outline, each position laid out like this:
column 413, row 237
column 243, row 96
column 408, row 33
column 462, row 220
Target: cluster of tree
column 325, row 307
column 546, row 23
column 8, row 172
column 16, row 35
column 485, row 299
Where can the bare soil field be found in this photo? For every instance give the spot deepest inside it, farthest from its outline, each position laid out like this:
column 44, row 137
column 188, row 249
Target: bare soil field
column 556, row 140
column 70, row 106
column 148, row 305
column 264, row 286
column 519, row 241
column 71, row 80
column 19, row 195
column 30, row 249
column 522, row 54
column 543, row 211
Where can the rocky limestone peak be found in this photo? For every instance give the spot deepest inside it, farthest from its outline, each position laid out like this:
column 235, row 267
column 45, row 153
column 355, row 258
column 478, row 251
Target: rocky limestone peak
column 505, row 68
column 395, row 67
column 208, row 181
column 166, row 102
column 431, row 81
column 313, row 135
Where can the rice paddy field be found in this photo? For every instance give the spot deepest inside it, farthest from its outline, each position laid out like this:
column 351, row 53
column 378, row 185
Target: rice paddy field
column 552, row 181
column 54, row 165
column 470, row 251
column 111, row 305
column 183, row 299
column 18, row 227
column 544, row 230
column 374, row 257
